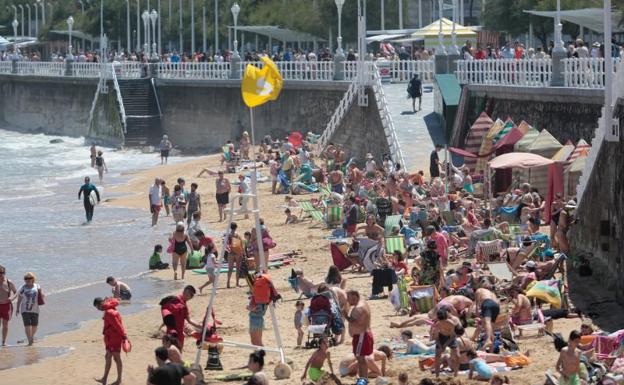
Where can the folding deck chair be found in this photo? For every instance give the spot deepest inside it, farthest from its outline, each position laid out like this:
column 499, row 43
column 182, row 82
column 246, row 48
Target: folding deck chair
column 334, row 216
column 487, row 249
column 310, row 211
column 391, row 221
column 395, row 244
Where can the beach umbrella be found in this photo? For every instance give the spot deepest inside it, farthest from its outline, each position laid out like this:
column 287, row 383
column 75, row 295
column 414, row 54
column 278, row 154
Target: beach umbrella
column 475, row 136
column 487, row 145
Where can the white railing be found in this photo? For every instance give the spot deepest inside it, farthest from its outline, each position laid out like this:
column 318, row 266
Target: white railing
column 300, row 70
column 41, row 68
column 386, row 119
column 511, row 72
column 122, row 109
column 338, row 115
column 401, row 71
column 6, row 67
column 585, row 72
column 129, row 70
column 201, row 71
column 86, row 70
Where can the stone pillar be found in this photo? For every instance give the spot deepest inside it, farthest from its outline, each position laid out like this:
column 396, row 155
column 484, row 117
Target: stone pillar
column 441, row 63
column 69, row 67
column 14, row 61
column 557, row 79
column 451, row 63
column 339, row 60
column 235, row 72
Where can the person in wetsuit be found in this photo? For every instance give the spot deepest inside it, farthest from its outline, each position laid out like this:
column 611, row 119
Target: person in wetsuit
column 85, row 191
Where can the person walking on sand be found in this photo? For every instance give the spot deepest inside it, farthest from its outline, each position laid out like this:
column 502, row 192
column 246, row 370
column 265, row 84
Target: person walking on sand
column 114, row 337
column 93, row 150
column 194, row 203
column 166, row 196
column 7, row 289
column 223, row 194
column 359, row 318
column 180, row 245
column 89, row 203
column 165, row 147
column 155, row 194
column 29, row 298
column 100, row 165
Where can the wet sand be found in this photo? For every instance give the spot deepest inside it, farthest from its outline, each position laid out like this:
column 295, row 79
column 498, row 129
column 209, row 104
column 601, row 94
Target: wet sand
column 86, row 360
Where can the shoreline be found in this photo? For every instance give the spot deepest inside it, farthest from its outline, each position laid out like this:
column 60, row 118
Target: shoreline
column 85, row 361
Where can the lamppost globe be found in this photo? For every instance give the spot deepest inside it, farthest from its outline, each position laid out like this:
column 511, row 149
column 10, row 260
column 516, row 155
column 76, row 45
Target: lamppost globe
column 235, row 11
column 153, row 17
column 70, row 25
column 15, row 23
column 339, row 4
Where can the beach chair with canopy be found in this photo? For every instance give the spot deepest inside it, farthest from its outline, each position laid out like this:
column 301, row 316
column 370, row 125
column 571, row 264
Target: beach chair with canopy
column 309, row 211
column 334, row 216
column 391, row 221
column 475, row 136
column 395, row 244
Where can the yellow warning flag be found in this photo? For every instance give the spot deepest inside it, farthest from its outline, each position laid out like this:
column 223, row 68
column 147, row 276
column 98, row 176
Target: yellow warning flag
column 261, row 85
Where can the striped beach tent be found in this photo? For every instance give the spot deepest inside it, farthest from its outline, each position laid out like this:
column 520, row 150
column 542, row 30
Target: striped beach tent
column 487, row 146
column 524, row 127
column 564, row 153
column 509, row 125
column 572, row 175
column 547, row 146
column 475, row 136
column 523, row 144
column 581, row 148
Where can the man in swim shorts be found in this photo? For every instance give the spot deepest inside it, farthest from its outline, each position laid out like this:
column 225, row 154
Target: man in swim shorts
column 489, row 307
column 569, row 363
column 359, row 318
column 314, row 367
column 6, row 304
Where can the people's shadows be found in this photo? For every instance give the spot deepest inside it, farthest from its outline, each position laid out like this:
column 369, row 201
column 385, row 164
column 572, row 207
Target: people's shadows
column 435, row 129
column 595, row 301
column 408, row 113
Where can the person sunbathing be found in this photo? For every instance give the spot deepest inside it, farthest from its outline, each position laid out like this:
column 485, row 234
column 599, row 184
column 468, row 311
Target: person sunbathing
column 414, row 345
column 521, row 313
column 349, row 365
column 456, row 305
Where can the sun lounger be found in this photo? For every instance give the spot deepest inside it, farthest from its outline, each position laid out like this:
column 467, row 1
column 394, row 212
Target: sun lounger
column 395, row 244
column 391, row 221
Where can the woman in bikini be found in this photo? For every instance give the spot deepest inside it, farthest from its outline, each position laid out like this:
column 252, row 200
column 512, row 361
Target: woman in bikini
column 370, row 229
column 181, row 244
column 234, row 253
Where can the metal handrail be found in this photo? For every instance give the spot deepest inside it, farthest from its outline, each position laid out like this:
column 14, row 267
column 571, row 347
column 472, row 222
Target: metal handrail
column 338, row 115
column 156, row 97
column 122, row 110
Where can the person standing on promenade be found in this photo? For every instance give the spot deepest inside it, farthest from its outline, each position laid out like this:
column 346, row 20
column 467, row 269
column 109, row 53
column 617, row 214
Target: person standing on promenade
column 155, row 193
column 89, row 203
column 165, row 147
column 114, row 336
column 415, row 92
column 7, row 288
column 359, row 318
column 223, row 194
column 29, row 298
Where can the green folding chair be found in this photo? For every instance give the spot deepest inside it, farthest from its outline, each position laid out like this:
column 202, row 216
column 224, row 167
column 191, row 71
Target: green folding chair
column 308, row 210
column 391, row 221
column 334, row 216
column 395, row 244
column 325, row 191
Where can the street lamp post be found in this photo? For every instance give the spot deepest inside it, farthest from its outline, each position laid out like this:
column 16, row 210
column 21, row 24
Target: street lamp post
column 216, row 36
column 138, row 28
column 440, row 34
column 441, row 58
column 558, row 29
column 70, row 25
column 204, row 43
column 36, row 19
column 400, row 14
column 154, row 18
column 383, row 15
column 102, row 25
column 160, row 30
column 128, row 32
column 339, row 58
column 29, row 20
column 559, row 52
column 15, row 23
column 42, row 3
column 21, row 7
column 454, row 48
column 180, row 28
column 192, row 26
column 235, row 60
column 145, row 17
column 81, row 6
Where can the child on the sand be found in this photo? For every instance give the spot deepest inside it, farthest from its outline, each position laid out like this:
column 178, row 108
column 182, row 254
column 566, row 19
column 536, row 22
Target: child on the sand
column 483, row 371
column 403, row 379
column 415, row 346
column 290, row 217
column 299, row 322
column 120, row 290
column 211, row 265
column 155, row 263
column 314, row 366
column 569, row 363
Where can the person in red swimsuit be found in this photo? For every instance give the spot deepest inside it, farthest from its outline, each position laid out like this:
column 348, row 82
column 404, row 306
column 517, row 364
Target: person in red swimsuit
column 114, row 336
column 6, row 302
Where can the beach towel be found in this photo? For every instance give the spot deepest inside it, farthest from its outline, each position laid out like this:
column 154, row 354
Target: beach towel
column 338, row 254
column 548, row 291
column 369, row 253
column 500, row 270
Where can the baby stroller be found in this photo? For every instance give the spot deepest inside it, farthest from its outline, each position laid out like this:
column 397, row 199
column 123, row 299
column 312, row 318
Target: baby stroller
column 320, row 319
column 319, row 326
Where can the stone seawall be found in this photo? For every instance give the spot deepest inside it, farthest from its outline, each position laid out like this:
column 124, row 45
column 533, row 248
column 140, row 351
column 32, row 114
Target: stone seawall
column 567, row 113
column 49, row 105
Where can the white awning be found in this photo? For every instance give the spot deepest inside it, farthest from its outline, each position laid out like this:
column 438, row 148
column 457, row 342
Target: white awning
column 590, row 18
column 278, row 33
column 378, row 38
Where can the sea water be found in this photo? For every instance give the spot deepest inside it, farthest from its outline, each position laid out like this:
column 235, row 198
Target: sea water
column 42, row 229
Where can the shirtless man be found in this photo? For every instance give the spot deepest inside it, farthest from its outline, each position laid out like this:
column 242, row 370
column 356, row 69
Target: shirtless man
column 120, row 290
column 488, row 306
column 456, row 305
column 443, row 332
column 355, row 178
column 569, row 362
column 359, row 329
column 339, row 156
column 314, row 367
column 6, row 304
column 521, row 308
column 336, row 178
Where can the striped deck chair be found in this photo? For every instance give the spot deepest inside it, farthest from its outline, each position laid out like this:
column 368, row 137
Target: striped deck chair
column 391, row 221
column 395, row 244
column 487, row 249
column 325, row 191
column 334, row 216
column 310, row 211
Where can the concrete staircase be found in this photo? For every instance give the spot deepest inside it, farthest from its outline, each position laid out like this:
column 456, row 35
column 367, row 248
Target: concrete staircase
column 143, row 125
